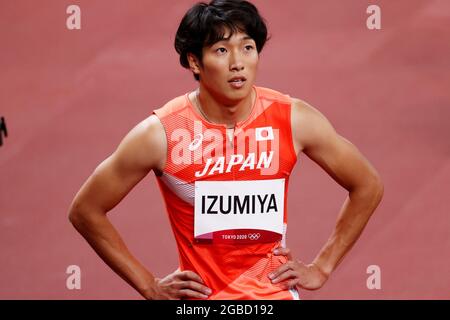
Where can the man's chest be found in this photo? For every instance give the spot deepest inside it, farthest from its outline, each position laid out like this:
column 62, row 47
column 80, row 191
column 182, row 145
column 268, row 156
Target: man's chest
column 207, row 153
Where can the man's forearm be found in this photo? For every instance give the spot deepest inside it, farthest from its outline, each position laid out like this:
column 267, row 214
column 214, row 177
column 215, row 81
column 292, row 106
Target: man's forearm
column 353, row 217
column 107, row 243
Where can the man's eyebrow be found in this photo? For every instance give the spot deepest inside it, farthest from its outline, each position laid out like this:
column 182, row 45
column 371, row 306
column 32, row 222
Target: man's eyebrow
column 242, row 39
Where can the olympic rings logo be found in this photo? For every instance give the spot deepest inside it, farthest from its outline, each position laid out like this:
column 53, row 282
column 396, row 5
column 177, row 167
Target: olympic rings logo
column 254, row 236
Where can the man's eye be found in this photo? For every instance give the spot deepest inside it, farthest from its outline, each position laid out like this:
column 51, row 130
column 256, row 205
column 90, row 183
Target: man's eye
column 221, row 50
column 249, row 47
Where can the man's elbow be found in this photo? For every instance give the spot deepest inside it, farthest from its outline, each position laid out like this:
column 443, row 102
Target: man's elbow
column 374, row 188
column 81, row 214
column 378, row 186
column 75, row 213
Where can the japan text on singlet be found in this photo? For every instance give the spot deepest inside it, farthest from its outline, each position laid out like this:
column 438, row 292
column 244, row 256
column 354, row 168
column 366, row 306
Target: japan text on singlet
column 226, row 194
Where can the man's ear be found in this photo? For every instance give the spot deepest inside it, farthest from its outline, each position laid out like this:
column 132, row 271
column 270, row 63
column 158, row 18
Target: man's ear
column 194, row 63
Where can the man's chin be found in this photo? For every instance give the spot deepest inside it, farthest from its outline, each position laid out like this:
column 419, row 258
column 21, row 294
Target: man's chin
column 236, row 96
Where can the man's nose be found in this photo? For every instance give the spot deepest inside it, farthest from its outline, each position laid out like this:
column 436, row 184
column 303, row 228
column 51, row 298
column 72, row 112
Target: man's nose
column 236, row 63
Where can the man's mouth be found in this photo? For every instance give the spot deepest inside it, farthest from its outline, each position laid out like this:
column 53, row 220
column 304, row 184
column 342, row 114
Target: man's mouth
column 237, row 82
column 237, row 79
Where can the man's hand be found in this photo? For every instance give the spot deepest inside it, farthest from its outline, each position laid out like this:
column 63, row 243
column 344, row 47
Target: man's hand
column 296, row 274
column 180, row 285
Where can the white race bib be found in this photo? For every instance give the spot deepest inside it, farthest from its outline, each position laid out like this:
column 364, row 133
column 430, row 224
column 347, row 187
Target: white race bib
column 239, row 211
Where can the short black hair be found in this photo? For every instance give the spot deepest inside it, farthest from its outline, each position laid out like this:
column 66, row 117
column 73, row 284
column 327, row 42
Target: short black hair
column 205, row 24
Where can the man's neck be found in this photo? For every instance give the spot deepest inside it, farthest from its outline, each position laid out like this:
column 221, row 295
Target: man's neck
column 227, row 113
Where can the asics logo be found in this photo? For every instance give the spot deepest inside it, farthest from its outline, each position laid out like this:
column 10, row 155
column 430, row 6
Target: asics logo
column 198, row 139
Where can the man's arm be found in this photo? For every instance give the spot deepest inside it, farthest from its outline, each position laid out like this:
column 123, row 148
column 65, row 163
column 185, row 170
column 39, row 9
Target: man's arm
column 142, row 150
column 139, row 152
column 314, row 135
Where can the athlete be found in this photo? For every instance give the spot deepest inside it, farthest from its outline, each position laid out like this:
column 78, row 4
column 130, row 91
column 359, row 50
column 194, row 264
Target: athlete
column 222, row 155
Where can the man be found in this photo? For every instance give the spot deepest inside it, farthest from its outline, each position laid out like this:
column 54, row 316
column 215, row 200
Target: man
column 222, row 156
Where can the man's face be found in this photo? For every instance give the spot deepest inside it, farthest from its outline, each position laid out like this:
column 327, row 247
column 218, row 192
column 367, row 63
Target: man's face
column 229, row 67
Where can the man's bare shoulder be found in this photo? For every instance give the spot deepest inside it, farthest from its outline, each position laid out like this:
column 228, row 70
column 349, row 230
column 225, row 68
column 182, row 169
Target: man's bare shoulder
column 145, row 145
column 301, row 109
column 308, row 124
